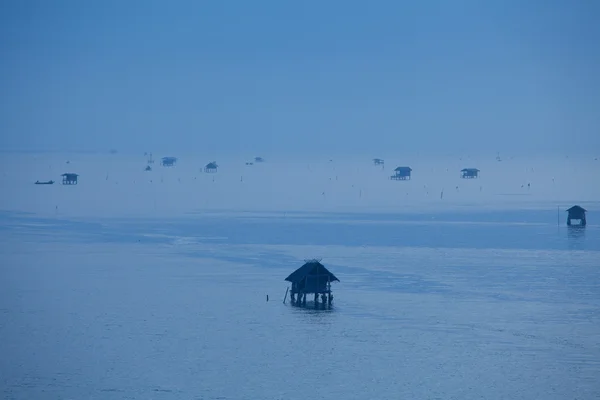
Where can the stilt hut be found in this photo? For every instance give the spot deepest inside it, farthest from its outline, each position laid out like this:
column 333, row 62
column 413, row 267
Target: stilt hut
column 259, row 159
column 311, row 278
column 469, row 173
column 211, row 167
column 69, row 179
column 576, row 213
column 378, row 161
column 401, row 174
column 168, row 161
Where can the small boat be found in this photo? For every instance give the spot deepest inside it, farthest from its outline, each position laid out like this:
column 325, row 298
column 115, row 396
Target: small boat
column 44, row 183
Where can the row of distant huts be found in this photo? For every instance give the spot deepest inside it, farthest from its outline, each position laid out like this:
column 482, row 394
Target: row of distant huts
column 400, row 173
column 211, row 167
column 404, row 173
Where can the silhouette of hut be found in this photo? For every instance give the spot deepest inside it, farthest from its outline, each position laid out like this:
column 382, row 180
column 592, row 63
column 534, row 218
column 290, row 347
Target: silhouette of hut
column 313, row 278
column 168, row 161
column 378, row 161
column 576, row 213
column 148, row 168
column 211, row 167
column 69, row 178
column 469, row 173
column 259, row 159
column 401, row 174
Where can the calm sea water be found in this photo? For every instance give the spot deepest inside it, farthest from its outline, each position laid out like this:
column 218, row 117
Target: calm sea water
column 502, row 305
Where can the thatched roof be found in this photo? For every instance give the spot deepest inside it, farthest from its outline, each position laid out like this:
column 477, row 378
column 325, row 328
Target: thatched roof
column 212, row 165
column 469, row 170
column 403, row 169
column 576, row 209
column 310, row 268
column 71, row 175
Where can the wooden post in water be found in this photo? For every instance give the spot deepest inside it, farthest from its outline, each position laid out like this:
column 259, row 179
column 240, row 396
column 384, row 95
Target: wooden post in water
column 285, row 297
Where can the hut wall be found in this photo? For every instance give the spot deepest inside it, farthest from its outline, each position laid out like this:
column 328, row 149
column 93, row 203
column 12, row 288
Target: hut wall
column 577, row 214
column 315, row 284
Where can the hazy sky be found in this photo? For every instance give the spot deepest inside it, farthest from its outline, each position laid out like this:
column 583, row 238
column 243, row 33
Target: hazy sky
column 259, row 77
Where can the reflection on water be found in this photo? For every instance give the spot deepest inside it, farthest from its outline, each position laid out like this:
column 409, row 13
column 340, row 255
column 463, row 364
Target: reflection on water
column 311, row 305
column 320, row 317
column 576, row 237
column 576, row 231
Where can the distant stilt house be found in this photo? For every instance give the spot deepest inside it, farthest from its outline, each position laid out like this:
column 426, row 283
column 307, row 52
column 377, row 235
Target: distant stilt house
column 148, row 168
column 469, row 173
column 576, row 213
column 211, row 167
column 401, row 174
column 259, row 159
column 378, row 161
column 168, row 161
column 69, row 179
column 311, row 278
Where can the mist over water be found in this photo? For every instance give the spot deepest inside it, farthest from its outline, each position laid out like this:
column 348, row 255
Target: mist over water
column 117, row 185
